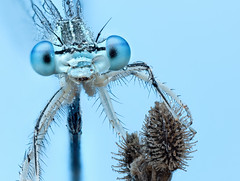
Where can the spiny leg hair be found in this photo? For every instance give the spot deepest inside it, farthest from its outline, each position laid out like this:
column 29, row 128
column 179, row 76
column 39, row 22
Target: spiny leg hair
column 144, row 72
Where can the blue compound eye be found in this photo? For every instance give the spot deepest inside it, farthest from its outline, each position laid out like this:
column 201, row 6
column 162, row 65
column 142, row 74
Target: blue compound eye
column 118, row 52
column 42, row 58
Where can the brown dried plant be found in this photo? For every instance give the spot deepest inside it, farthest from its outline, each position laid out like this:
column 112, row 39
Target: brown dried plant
column 165, row 146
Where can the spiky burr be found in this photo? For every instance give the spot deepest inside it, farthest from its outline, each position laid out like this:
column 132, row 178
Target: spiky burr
column 165, row 146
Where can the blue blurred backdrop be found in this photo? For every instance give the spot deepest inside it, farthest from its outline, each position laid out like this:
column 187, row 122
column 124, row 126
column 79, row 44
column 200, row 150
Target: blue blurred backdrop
column 193, row 45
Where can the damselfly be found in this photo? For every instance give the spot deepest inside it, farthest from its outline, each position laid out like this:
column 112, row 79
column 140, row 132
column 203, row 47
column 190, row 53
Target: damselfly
column 69, row 51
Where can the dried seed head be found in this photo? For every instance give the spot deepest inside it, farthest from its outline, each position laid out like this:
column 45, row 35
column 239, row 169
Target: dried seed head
column 167, row 143
column 165, row 147
column 129, row 150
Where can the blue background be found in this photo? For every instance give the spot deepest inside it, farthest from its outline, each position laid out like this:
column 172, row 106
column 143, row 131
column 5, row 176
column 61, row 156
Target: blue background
column 193, row 45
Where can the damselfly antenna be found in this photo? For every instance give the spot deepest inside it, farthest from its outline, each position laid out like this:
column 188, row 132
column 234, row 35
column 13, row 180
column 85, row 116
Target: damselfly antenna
column 102, row 30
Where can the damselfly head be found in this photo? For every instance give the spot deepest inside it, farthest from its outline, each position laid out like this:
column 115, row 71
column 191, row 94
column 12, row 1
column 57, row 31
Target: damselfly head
column 73, row 51
column 81, row 64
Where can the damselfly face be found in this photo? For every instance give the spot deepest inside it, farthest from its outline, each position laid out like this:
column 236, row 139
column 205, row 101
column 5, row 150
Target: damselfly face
column 79, row 58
